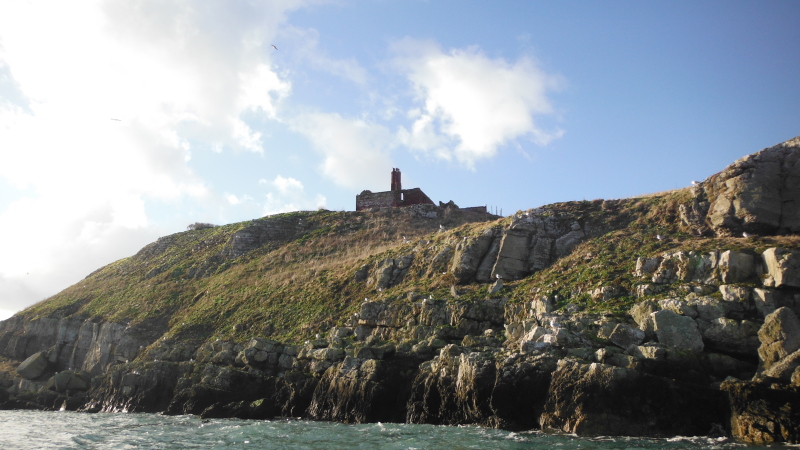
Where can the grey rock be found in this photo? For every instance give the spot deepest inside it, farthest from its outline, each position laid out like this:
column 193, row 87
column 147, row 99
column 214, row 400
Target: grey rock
column 567, row 242
column 624, row 336
column 541, row 253
column 642, row 314
column 757, row 193
column 736, row 267
column 764, row 300
column 485, row 268
column 739, row 295
column 784, row 369
column 646, row 266
column 512, row 258
column 677, row 331
column 33, row 367
column 783, row 266
column 709, row 308
column 678, row 306
column 780, row 337
column 468, row 256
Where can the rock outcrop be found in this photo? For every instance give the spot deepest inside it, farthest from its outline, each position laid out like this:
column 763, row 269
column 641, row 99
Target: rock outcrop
column 758, row 194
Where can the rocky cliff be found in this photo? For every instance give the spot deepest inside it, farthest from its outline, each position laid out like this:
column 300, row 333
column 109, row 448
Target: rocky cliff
column 671, row 314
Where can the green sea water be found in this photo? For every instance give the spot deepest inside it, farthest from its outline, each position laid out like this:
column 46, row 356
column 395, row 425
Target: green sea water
column 69, row 430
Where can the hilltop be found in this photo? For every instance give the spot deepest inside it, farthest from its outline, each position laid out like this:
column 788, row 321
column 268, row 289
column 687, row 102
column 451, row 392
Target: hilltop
column 672, row 313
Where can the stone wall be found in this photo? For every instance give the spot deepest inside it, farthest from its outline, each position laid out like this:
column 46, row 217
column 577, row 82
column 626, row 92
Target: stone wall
column 391, row 199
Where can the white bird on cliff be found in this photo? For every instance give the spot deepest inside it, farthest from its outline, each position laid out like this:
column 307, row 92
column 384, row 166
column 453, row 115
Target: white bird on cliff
column 660, row 237
column 694, row 183
column 746, row 234
column 441, row 227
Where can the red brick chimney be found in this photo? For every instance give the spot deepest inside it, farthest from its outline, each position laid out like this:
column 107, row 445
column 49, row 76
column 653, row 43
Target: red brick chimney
column 396, row 185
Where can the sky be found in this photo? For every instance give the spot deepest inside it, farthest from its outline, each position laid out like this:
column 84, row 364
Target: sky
column 121, row 122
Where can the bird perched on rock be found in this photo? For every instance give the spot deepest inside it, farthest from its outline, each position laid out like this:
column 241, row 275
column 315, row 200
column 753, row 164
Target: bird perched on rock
column 694, row 183
column 746, row 234
column 660, row 237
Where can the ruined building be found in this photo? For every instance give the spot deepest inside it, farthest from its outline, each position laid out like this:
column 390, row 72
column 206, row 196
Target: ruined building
column 396, row 197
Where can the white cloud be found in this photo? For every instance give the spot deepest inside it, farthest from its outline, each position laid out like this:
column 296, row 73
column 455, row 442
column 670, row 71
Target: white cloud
column 355, row 152
column 291, row 196
column 102, row 102
column 470, row 104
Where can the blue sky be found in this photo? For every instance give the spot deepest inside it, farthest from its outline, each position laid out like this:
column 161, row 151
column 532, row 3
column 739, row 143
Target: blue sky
column 124, row 121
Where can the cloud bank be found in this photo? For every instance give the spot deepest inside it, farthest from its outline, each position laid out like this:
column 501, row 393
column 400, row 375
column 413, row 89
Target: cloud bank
column 468, row 104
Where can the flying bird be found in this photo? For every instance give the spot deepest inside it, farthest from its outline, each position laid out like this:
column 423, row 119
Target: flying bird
column 273, row 46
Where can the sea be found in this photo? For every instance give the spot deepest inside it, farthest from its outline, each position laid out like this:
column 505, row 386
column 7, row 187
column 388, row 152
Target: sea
column 71, row 430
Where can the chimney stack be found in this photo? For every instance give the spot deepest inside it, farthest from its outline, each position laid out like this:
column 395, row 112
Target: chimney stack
column 396, row 185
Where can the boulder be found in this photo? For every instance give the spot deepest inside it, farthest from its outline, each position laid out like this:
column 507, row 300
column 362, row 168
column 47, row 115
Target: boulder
column 709, row 308
column 642, row 314
column 646, row 266
column 678, row 306
column 780, row 337
column 785, row 368
column 764, row 300
column 677, row 331
column 736, row 267
column 783, row 266
column 737, row 298
column 624, row 336
column 69, row 380
column 33, row 367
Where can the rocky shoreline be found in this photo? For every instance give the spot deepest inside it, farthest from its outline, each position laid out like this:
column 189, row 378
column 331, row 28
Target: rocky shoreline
column 711, row 345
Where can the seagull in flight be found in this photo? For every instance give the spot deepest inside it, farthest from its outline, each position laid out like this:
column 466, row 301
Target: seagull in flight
column 273, row 46
column 117, row 120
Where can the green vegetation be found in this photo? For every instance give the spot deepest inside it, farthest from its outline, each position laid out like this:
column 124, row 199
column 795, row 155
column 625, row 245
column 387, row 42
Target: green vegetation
column 300, row 278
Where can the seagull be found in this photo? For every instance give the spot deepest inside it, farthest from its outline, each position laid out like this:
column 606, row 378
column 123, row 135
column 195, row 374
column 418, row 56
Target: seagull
column 746, row 234
column 497, row 275
column 273, row 46
column 660, row 237
column 694, row 183
column 116, row 120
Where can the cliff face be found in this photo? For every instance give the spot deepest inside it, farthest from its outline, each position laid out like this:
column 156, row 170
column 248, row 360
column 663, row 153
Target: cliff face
column 674, row 314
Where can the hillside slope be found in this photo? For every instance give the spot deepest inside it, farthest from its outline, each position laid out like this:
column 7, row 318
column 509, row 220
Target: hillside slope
column 561, row 317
